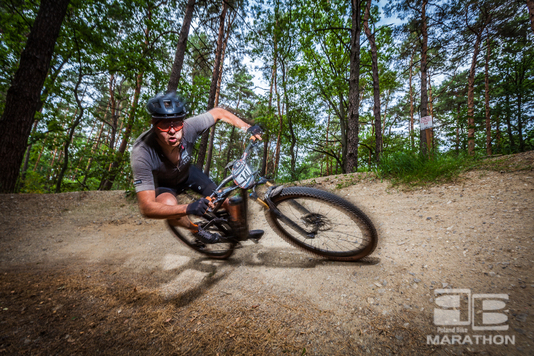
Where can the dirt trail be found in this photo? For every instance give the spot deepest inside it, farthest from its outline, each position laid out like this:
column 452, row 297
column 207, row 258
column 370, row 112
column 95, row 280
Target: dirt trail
column 84, row 273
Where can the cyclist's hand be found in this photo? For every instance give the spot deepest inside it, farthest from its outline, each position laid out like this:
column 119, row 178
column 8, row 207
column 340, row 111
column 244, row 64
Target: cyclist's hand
column 198, row 207
column 211, row 204
column 255, row 131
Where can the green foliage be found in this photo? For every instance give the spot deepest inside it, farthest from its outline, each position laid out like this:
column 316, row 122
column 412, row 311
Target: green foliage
column 34, row 183
column 302, row 107
column 412, row 168
column 16, row 20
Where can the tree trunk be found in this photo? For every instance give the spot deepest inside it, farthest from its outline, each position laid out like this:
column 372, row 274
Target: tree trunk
column 71, row 134
column 498, row 136
column 40, row 153
column 530, row 4
column 344, row 132
column 354, row 92
column 97, row 142
column 65, row 165
column 95, row 146
column 180, row 49
column 471, row 88
column 115, row 114
column 217, row 91
column 520, row 80
column 520, row 123
column 265, row 156
column 430, row 97
column 376, row 83
column 486, row 95
column 471, row 100
column 113, row 123
column 411, row 101
column 275, row 71
column 23, row 97
column 280, row 128
column 51, row 169
column 213, row 87
column 229, row 149
column 509, row 124
column 26, row 160
column 117, row 162
column 87, row 144
column 293, row 163
column 424, row 94
column 385, row 114
column 458, row 130
column 42, row 100
column 267, row 135
column 326, row 146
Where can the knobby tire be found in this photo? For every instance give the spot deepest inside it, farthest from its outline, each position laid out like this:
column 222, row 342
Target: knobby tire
column 345, row 232
column 218, row 251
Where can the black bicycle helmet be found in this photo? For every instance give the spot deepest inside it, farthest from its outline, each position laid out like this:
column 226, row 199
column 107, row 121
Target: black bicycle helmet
column 166, row 106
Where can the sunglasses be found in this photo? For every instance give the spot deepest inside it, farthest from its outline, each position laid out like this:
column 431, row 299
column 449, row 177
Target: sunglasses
column 165, row 126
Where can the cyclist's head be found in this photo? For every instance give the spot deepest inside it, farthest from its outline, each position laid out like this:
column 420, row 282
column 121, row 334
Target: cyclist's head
column 165, row 107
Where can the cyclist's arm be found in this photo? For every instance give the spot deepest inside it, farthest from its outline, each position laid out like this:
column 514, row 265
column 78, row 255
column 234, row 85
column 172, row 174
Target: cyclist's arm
column 150, row 208
column 226, row 116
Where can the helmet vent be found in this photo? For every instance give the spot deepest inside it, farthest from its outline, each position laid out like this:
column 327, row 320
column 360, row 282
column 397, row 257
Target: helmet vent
column 166, row 106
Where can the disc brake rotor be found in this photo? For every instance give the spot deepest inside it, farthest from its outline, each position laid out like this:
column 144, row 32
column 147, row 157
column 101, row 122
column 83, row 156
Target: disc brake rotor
column 316, row 222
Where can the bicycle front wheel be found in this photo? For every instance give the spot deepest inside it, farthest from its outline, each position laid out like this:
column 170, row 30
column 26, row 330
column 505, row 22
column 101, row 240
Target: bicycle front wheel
column 219, row 251
column 322, row 223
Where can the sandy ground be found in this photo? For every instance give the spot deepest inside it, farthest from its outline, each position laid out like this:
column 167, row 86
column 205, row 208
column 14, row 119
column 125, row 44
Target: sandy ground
column 472, row 238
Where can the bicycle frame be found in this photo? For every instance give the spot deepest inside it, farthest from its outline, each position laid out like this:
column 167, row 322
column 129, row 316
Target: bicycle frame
column 220, row 195
column 312, row 220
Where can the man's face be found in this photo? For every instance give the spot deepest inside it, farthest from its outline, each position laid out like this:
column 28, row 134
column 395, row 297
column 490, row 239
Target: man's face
column 169, row 132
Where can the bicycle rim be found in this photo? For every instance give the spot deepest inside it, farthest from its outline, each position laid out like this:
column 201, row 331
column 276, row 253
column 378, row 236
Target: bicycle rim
column 340, row 230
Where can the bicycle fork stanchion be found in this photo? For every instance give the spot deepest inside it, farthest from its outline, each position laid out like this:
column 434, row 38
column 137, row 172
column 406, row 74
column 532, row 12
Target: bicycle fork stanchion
column 275, row 190
column 293, row 225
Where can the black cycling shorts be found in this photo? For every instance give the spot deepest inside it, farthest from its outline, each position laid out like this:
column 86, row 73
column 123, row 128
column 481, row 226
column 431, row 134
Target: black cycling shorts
column 197, row 182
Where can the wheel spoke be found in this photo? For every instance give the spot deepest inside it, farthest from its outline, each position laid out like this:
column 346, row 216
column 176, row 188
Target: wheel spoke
column 337, row 230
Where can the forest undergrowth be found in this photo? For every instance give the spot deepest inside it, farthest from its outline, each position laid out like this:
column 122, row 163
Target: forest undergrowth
column 410, row 168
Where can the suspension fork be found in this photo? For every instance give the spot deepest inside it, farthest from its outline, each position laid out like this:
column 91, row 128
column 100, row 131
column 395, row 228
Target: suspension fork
column 268, row 204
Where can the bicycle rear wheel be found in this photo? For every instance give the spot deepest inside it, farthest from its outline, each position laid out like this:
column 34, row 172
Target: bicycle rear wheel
column 330, row 226
column 219, row 251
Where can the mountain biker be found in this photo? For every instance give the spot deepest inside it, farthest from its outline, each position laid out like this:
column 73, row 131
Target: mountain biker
column 161, row 162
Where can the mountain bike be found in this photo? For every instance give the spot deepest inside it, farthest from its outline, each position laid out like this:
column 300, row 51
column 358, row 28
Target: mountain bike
column 313, row 220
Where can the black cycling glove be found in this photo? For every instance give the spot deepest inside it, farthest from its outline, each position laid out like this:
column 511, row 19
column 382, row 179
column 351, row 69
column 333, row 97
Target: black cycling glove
column 198, row 207
column 255, row 130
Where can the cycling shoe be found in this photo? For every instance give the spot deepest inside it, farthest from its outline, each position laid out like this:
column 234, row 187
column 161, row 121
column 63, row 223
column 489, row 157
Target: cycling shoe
column 206, row 236
column 255, row 235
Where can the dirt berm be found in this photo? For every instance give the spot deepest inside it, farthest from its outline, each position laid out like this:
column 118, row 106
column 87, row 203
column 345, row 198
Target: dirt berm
column 83, row 273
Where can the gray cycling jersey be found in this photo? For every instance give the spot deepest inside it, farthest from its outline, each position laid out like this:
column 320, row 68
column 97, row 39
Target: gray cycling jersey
column 151, row 168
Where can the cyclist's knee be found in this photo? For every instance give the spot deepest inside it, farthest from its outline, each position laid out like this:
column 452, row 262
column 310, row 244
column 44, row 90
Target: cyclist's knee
column 167, row 199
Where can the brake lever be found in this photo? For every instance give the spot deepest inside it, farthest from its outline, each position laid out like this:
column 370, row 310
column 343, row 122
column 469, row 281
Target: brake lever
column 229, row 165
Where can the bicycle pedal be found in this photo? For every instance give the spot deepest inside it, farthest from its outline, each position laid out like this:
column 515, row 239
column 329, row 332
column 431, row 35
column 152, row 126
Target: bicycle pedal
column 255, row 235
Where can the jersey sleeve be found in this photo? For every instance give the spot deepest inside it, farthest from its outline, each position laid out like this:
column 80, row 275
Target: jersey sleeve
column 196, row 125
column 142, row 170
